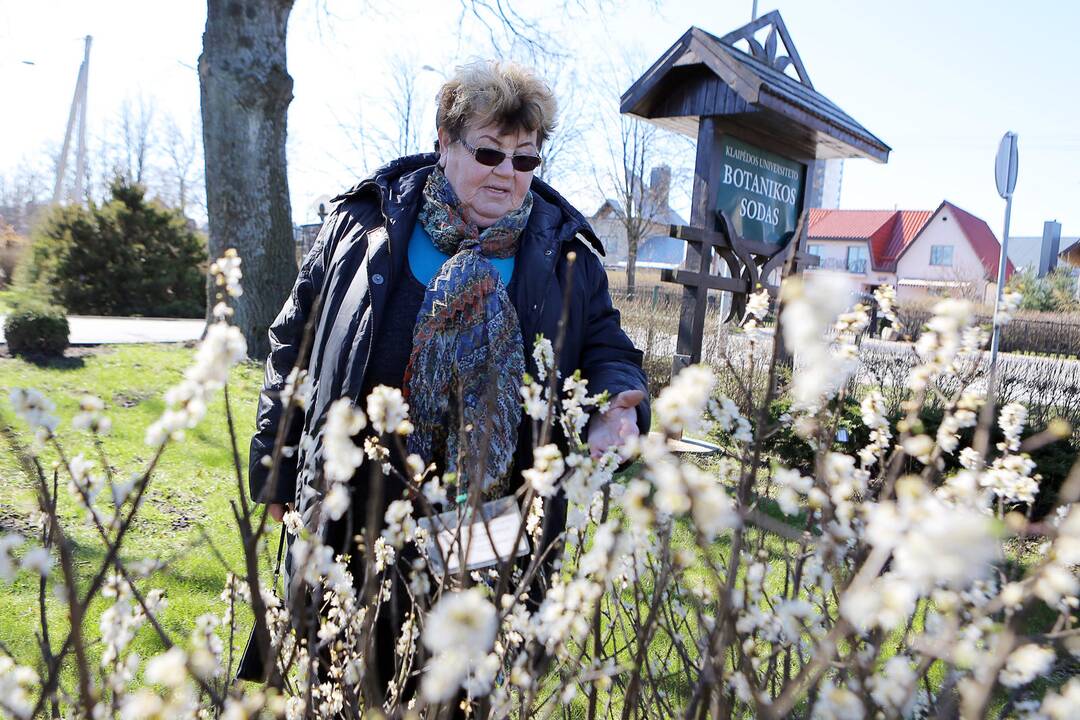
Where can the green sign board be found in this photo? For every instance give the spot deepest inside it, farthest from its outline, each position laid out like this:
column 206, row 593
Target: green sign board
column 761, row 192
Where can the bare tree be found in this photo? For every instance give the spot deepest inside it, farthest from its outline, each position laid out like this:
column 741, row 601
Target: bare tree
column 354, row 158
column 137, row 137
column 636, row 151
column 632, row 154
column 183, row 172
column 22, row 194
column 405, row 108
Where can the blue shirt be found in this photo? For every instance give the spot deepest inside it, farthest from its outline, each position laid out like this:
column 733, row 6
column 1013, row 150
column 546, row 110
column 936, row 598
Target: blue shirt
column 425, row 259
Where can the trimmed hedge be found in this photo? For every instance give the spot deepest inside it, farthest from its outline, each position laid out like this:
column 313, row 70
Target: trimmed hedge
column 37, row 330
column 1040, row 333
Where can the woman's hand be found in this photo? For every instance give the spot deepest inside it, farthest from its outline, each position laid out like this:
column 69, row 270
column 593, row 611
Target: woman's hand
column 277, row 510
column 614, row 427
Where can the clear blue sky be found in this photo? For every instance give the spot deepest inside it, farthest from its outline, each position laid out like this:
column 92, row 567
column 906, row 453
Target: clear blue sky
column 938, row 81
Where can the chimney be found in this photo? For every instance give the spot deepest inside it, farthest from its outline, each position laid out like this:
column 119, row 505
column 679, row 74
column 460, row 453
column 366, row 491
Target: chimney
column 1051, row 243
column 659, row 188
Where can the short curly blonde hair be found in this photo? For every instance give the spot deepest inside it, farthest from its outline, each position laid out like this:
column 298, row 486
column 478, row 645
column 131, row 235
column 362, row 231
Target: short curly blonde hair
column 489, row 91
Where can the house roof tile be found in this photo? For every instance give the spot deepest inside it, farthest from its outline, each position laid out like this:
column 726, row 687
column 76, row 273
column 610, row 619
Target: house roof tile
column 982, row 240
column 889, row 233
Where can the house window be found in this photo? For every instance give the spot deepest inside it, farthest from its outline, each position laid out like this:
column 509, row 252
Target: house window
column 857, row 258
column 815, row 250
column 941, row 255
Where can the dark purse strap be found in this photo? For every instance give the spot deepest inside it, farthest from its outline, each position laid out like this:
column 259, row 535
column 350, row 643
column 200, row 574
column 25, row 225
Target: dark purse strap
column 252, row 665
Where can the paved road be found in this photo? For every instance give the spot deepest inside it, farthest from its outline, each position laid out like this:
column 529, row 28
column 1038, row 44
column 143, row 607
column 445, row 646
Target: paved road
column 87, row 330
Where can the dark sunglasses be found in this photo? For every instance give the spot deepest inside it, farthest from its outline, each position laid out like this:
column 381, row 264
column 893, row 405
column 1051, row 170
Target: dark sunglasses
column 493, row 158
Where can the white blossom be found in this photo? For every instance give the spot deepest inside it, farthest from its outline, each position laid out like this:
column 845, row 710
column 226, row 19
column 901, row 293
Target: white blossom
column 388, row 411
column 757, row 304
column 1064, row 705
column 341, row 456
column 435, row 492
column 222, row 347
column 1012, row 420
column 443, row 676
column 1054, row 582
column 1026, row 663
column 811, row 304
column 17, row 683
column 90, row 416
column 885, row 296
column 1010, row 303
column 711, row 508
column 681, row 405
column 400, row 524
column 293, row 522
column 837, row 703
column 893, row 687
column 34, row 408
column 298, row 386
column 544, row 356
column 38, row 560
column 886, row 603
column 548, row 467
column 534, row 402
column 463, row 622
column 8, row 564
column 337, row 501
column 168, row 668
column 226, row 272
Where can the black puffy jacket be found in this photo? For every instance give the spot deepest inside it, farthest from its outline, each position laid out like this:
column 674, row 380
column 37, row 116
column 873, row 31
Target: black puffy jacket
column 355, row 261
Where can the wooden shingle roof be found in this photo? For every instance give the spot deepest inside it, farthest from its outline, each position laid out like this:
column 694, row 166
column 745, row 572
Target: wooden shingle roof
column 702, row 74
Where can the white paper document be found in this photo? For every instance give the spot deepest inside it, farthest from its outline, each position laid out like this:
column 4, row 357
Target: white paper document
column 483, row 542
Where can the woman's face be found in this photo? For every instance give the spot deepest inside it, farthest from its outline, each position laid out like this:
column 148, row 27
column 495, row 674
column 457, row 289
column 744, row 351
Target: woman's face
column 487, row 193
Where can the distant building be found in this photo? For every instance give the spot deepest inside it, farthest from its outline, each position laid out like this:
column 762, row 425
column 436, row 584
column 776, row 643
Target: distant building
column 947, row 251
column 1071, row 254
column 829, row 177
column 1041, row 254
column 304, row 236
column 656, row 249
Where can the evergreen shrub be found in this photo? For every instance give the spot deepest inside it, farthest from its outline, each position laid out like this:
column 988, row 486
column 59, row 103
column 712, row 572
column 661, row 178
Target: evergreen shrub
column 129, row 256
column 36, row 329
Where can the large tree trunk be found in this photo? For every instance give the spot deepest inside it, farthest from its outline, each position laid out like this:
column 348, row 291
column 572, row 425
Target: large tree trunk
column 246, row 91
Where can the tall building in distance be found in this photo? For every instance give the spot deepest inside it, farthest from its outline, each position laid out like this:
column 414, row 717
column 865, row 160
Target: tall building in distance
column 828, row 176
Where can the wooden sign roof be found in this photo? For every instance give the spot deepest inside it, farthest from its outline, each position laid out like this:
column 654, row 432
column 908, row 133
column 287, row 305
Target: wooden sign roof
column 749, row 89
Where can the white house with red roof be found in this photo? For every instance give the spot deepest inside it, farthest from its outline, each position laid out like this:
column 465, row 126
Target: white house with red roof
column 947, row 251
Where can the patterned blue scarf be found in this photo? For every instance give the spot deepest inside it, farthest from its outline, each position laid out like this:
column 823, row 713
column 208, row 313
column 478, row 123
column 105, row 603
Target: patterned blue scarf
column 467, row 358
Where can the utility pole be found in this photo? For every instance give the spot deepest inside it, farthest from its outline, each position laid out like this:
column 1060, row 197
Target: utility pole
column 753, row 12
column 76, row 115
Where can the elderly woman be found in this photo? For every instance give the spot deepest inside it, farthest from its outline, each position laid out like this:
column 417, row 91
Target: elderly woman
column 434, row 276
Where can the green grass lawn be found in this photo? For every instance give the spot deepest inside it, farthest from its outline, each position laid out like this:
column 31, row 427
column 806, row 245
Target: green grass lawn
column 191, row 488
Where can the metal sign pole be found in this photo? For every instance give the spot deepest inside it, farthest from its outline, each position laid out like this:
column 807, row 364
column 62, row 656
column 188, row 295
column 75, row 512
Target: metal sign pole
column 1002, row 263
column 1005, row 167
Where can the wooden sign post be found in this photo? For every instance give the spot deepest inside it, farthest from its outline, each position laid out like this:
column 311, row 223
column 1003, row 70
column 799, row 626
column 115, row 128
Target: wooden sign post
column 750, row 264
column 763, row 134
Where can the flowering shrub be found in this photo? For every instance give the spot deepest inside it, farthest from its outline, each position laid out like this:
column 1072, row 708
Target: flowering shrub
column 873, row 584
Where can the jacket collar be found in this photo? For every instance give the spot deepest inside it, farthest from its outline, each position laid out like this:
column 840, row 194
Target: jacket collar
column 556, row 218
column 398, row 186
